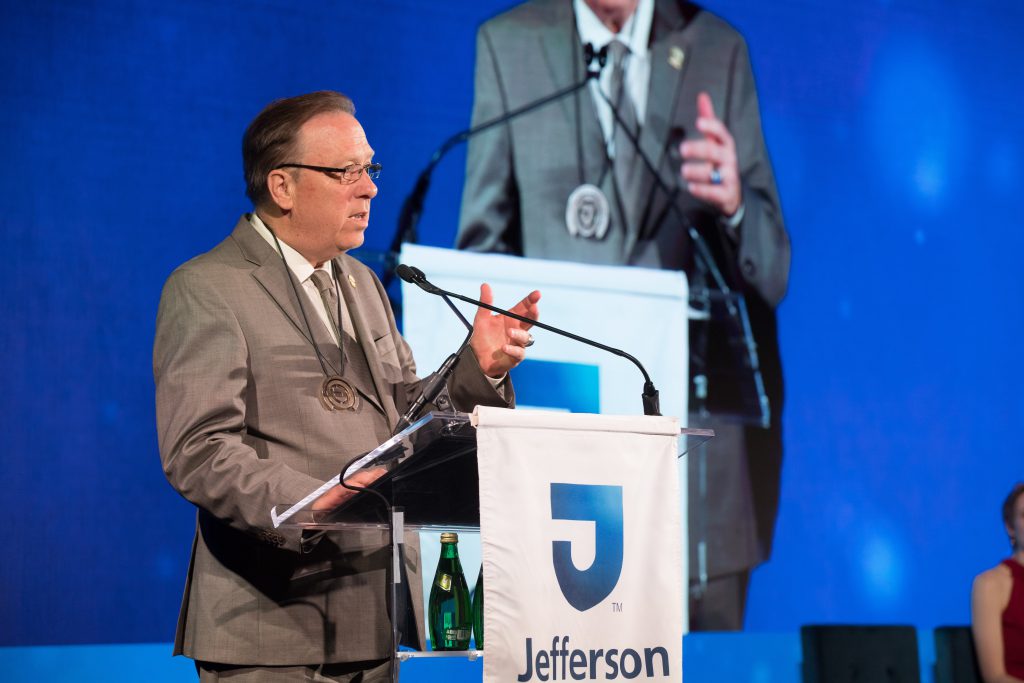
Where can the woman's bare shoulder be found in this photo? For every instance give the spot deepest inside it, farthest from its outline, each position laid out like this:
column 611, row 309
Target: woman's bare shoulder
column 994, row 583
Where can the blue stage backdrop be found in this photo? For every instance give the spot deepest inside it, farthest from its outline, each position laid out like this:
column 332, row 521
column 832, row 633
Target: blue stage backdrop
column 895, row 130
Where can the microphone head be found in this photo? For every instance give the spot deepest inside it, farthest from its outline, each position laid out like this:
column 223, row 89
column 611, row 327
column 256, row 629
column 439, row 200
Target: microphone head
column 675, row 137
column 415, row 276
column 406, row 273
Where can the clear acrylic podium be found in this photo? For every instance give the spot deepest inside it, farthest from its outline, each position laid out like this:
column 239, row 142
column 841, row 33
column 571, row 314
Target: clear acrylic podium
column 428, row 477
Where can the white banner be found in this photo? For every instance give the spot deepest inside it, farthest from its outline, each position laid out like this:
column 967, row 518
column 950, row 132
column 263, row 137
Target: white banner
column 580, row 538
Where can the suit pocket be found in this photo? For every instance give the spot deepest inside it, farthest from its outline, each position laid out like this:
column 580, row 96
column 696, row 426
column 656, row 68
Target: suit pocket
column 388, row 355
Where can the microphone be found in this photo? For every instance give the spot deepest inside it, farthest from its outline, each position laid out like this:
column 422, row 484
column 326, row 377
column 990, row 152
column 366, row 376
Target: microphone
column 412, row 207
column 431, row 388
column 433, row 385
column 415, row 276
column 590, row 55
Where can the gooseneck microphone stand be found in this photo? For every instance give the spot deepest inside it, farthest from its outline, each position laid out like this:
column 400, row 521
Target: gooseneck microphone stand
column 650, row 396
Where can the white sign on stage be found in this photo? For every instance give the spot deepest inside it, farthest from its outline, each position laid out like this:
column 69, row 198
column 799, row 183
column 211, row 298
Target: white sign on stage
column 581, row 552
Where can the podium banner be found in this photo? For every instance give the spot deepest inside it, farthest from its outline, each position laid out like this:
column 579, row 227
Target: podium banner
column 582, row 563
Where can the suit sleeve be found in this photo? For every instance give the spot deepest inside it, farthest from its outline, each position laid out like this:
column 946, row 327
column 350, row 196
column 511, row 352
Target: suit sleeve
column 201, row 370
column 763, row 244
column 489, row 219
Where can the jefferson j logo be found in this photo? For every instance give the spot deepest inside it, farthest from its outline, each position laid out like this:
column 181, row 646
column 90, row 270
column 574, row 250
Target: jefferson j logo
column 603, row 506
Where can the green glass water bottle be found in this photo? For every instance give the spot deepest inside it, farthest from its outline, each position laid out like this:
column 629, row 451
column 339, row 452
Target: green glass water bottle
column 449, row 610
column 478, row 610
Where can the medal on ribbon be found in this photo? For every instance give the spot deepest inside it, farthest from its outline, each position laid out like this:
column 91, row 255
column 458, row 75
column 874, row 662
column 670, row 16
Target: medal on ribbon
column 337, row 394
column 587, row 213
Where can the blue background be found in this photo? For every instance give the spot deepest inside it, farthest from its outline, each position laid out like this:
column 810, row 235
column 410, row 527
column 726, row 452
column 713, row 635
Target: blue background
column 895, row 131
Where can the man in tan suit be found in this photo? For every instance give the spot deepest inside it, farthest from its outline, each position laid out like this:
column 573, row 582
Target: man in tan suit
column 276, row 360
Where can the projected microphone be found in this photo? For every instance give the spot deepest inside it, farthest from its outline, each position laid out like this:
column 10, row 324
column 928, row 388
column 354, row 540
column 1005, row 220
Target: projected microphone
column 738, row 311
column 415, row 276
column 676, row 136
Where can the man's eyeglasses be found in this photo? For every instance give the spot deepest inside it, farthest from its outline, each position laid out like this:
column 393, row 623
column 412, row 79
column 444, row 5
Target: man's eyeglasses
column 349, row 174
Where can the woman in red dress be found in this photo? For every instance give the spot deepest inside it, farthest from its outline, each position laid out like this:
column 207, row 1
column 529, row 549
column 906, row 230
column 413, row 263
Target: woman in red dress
column 997, row 604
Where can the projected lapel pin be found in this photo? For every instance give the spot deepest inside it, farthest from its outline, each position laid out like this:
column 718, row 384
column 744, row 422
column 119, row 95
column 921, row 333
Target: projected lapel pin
column 676, row 57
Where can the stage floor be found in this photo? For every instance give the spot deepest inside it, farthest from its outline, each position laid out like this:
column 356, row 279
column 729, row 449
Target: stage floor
column 707, row 658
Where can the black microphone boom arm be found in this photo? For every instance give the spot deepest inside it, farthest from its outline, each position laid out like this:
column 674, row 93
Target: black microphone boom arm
column 416, row 277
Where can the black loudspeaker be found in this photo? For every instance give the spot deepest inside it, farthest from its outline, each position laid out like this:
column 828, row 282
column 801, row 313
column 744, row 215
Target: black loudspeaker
column 860, row 654
column 955, row 659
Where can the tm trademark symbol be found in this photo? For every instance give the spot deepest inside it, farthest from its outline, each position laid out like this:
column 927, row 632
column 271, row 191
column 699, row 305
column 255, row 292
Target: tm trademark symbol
column 616, row 606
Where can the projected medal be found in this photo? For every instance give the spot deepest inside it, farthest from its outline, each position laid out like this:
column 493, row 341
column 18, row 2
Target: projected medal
column 587, row 212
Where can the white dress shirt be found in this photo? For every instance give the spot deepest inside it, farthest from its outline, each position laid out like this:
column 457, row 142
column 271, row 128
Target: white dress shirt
column 635, row 35
column 303, row 272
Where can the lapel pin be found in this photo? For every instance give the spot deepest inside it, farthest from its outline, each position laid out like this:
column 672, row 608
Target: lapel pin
column 351, row 280
column 676, row 57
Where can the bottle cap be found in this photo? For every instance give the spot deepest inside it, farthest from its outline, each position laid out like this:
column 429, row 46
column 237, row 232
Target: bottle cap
column 449, row 537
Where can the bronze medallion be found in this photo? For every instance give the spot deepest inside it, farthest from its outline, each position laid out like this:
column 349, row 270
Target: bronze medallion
column 337, row 394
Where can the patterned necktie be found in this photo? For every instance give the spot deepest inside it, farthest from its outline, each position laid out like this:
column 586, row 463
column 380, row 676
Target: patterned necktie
column 355, row 367
column 627, row 162
column 329, row 295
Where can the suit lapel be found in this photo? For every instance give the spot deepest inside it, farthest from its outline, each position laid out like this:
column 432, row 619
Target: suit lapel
column 669, row 59
column 559, row 45
column 563, row 56
column 353, row 301
column 272, row 274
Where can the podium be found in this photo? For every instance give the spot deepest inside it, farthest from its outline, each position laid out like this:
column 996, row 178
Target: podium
column 434, row 454
column 430, row 478
column 726, row 378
